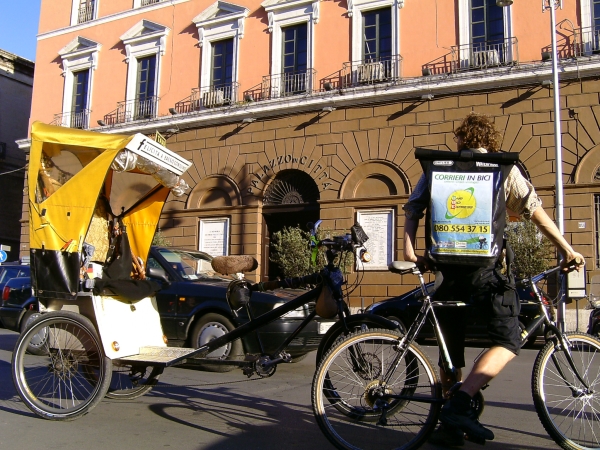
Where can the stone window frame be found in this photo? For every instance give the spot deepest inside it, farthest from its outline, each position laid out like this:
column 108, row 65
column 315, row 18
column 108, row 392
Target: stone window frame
column 213, row 28
column 291, row 12
column 585, row 6
column 355, row 12
column 464, row 27
column 75, row 12
column 78, row 55
column 139, row 45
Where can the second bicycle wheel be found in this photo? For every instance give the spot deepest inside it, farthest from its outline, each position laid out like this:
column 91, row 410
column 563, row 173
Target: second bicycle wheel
column 569, row 411
column 130, row 382
column 70, row 375
column 366, row 397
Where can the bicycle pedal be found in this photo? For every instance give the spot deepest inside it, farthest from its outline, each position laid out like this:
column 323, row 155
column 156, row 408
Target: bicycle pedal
column 475, row 440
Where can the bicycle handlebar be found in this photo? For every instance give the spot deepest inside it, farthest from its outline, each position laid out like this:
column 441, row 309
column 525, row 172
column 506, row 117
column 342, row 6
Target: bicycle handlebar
column 572, row 265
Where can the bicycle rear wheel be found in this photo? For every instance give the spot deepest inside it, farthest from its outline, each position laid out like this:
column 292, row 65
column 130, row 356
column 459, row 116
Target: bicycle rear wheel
column 356, row 409
column 569, row 412
column 70, row 375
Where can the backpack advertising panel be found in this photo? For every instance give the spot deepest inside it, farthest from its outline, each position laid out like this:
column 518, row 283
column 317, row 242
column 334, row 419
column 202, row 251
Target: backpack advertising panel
column 466, row 213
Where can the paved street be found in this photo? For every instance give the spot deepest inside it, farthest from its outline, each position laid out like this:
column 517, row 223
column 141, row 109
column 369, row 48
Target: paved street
column 266, row 414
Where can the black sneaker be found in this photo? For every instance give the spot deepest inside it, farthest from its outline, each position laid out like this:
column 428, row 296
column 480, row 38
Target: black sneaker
column 447, row 436
column 466, row 421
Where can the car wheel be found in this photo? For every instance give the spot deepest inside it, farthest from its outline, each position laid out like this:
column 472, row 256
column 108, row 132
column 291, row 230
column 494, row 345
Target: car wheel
column 36, row 344
column 212, row 326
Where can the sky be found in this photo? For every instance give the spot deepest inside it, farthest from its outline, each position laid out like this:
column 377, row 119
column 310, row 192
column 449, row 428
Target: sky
column 19, row 19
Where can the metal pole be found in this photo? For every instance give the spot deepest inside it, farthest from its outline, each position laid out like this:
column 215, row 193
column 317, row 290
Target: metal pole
column 552, row 5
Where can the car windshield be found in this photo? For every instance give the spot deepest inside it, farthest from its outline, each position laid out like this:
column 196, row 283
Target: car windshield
column 190, row 265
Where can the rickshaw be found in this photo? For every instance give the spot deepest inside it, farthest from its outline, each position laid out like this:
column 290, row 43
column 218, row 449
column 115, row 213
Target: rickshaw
column 94, row 204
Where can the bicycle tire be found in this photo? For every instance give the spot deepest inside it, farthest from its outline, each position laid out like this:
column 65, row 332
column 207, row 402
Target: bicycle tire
column 344, row 398
column 129, row 382
column 71, row 376
column 571, row 417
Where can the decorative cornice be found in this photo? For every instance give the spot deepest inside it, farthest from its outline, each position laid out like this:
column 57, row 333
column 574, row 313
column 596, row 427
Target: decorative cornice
column 351, row 5
column 210, row 18
column 145, row 31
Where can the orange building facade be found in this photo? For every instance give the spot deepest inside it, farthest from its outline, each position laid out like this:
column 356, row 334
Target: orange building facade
column 298, row 110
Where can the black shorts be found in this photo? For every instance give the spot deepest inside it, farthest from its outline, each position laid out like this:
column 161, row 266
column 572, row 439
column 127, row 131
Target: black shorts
column 499, row 311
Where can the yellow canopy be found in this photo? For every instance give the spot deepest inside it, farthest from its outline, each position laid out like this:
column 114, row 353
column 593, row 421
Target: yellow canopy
column 63, row 216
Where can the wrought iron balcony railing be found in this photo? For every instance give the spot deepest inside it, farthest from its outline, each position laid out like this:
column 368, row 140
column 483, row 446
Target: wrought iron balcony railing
column 137, row 109
column 72, row 119
column 480, row 55
column 290, row 83
column 212, row 96
column 576, row 43
column 86, row 11
column 371, row 71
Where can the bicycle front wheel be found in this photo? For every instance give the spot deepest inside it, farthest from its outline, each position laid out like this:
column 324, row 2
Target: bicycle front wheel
column 365, row 396
column 69, row 375
column 569, row 411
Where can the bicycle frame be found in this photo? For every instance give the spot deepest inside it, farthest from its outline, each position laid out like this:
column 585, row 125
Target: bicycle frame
column 427, row 309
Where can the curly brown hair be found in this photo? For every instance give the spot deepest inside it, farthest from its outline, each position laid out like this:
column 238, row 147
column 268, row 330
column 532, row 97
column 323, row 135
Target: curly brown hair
column 478, row 130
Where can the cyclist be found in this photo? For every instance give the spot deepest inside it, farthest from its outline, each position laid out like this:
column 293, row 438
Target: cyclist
column 494, row 292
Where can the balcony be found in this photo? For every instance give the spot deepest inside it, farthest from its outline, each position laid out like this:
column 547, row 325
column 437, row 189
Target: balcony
column 72, row 119
column 371, row 71
column 86, row 11
column 287, row 84
column 476, row 56
column 213, row 96
column 576, row 43
column 150, row 2
column 131, row 110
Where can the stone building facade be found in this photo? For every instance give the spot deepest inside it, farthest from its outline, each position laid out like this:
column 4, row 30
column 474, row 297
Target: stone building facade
column 16, row 85
column 362, row 159
column 323, row 105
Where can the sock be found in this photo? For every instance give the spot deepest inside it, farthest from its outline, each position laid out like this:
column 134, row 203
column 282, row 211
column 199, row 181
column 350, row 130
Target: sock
column 461, row 401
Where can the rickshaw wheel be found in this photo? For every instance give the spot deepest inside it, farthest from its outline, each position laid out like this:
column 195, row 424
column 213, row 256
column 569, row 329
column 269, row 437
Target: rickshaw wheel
column 130, row 382
column 72, row 373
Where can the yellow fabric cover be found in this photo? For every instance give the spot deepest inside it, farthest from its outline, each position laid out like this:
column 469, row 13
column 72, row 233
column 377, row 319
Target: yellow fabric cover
column 67, row 213
column 141, row 221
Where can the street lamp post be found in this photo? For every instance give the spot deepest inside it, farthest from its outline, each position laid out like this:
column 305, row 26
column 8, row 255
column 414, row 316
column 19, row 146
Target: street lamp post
column 552, row 5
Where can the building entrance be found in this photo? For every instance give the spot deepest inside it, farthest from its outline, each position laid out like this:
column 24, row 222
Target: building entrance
column 291, row 200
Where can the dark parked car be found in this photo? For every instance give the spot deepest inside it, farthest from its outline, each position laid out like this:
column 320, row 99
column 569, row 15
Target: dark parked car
column 12, row 270
column 19, row 308
column 18, row 305
column 194, row 309
column 404, row 309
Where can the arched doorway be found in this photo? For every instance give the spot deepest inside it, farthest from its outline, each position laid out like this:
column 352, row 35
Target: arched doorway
column 291, row 200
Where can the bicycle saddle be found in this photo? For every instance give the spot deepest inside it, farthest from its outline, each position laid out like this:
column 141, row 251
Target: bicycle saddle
column 228, row 265
column 402, row 267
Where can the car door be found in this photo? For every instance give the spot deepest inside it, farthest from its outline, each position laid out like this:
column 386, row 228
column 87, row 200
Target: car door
column 166, row 300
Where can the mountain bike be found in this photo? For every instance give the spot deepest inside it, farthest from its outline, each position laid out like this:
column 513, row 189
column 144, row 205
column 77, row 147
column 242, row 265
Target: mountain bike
column 378, row 389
